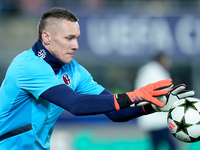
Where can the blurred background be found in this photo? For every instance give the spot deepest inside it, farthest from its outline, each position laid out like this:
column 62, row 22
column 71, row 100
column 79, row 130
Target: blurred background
column 117, row 38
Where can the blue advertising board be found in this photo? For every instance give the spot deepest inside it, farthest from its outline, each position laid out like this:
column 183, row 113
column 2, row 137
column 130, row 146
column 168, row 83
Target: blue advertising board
column 129, row 36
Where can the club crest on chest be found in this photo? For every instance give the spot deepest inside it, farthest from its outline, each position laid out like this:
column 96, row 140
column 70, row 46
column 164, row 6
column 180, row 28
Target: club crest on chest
column 66, row 79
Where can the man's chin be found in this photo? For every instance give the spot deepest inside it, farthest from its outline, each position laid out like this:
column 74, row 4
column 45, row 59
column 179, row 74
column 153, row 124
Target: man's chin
column 67, row 61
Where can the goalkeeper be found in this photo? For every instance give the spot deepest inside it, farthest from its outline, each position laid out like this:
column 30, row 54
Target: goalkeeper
column 44, row 80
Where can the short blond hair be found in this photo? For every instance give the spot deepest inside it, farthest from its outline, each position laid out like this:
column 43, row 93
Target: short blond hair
column 56, row 12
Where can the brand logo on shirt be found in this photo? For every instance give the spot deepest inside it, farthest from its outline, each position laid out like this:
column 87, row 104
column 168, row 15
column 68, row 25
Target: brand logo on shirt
column 66, row 79
column 42, row 53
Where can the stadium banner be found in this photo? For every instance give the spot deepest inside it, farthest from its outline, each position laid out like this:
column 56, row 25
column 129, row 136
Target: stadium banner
column 128, row 36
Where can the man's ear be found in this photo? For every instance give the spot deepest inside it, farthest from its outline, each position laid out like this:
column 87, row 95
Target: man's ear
column 46, row 37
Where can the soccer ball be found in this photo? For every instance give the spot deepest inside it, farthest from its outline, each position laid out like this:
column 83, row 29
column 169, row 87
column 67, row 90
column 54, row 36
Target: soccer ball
column 184, row 120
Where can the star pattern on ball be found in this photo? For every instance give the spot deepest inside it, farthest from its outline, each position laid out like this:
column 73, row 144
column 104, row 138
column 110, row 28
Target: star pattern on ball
column 188, row 104
column 195, row 139
column 170, row 113
column 182, row 126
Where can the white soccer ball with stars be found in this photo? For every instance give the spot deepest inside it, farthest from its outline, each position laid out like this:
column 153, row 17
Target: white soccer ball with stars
column 184, row 120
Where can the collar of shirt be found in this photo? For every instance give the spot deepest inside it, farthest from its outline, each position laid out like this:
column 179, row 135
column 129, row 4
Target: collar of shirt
column 43, row 53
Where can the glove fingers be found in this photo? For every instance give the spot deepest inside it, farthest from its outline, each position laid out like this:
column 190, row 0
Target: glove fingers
column 164, row 81
column 157, row 102
column 160, row 92
column 186, row 94
column 159, row 88
column 163, row 84
column 178, row 88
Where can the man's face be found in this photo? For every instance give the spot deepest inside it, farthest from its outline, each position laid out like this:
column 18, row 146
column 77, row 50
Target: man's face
column 62, row 39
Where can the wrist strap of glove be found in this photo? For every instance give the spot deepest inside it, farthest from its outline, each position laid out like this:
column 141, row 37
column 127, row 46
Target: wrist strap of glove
column 121, row 101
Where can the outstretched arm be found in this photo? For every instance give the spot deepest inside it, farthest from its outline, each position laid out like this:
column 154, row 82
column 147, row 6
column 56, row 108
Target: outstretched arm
column 85, row 104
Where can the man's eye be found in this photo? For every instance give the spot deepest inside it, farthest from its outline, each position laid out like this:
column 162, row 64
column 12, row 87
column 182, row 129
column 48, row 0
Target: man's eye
column 69, row 38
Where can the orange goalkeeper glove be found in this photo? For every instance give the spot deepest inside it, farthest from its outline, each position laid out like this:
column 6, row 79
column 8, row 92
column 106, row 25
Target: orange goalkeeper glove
column 143, row 95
